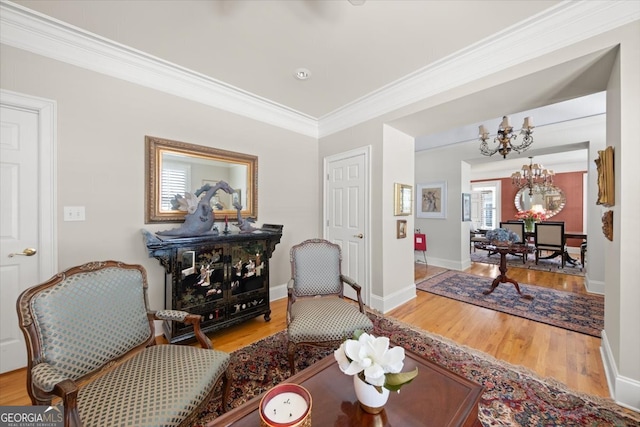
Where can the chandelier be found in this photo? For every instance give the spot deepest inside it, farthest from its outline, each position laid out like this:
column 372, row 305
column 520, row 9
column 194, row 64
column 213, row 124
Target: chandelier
column 532, row 176
column 505, row 138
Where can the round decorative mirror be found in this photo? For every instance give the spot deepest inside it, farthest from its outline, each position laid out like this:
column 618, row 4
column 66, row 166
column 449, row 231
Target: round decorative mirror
column 550, row 198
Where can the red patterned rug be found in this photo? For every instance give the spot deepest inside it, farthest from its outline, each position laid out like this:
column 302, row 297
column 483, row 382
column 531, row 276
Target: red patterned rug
column 513, row 396
column 582, row 313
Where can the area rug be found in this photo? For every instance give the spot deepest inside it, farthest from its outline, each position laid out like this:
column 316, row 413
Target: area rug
column 552, row 264
column 582, row 313
column 513, row 396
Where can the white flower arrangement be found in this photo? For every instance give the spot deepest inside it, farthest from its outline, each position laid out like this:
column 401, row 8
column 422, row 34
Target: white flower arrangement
column 374, row 362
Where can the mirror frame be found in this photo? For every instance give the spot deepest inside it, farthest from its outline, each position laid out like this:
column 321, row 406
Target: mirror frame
column 548, row 213
column 155, row 147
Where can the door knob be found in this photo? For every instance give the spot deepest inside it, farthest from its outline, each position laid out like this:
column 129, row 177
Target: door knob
column 26, row 252
column 359, row 236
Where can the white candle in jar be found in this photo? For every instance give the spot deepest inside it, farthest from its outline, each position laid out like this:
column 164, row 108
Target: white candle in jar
column 285, row 407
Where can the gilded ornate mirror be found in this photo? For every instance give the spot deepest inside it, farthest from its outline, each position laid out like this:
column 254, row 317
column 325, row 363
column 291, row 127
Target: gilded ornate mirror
column 551, row 198
column 175, row 167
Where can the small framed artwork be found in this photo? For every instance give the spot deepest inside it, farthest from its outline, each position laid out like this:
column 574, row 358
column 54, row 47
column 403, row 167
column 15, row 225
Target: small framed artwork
column 606, row 178
column 431, row 200
column 403, row 197
column 401, row 228
column 466, row 206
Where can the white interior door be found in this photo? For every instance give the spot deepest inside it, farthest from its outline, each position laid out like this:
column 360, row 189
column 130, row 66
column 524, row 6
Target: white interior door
column 23, row 168
column 346, row 214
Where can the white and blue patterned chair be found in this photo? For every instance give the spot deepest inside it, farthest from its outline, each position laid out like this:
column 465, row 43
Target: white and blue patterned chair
column 91, row 342
column 318, row 314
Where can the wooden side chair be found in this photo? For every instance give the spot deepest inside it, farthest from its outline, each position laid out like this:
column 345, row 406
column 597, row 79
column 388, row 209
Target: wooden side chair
column 318, row 314
column 549, row 236
column 90, row 341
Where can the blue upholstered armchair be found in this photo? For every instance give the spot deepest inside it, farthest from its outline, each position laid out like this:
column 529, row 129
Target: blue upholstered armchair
column 91, row 342
column 317, row 312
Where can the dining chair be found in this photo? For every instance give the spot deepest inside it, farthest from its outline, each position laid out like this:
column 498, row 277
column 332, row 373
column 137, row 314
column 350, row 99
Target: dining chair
column 318, row 314
column 518, row 228
column 549, row 236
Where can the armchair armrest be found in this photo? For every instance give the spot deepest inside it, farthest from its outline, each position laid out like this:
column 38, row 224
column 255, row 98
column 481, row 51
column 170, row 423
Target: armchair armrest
column 349, row 281
column 49, row 379
column 187, row 319
column 45, row 377
column 172, row 315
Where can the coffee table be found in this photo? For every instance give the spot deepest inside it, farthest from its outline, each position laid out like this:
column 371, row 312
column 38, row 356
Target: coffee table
column 436, row 397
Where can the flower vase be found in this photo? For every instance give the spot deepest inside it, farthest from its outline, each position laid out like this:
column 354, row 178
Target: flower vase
column 371, row 400
column 529, row 225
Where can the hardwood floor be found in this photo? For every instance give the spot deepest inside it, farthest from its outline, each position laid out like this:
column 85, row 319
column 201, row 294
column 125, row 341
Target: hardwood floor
column 569, row 357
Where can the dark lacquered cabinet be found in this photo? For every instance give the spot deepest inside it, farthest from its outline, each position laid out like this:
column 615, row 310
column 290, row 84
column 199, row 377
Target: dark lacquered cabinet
column 224, row 278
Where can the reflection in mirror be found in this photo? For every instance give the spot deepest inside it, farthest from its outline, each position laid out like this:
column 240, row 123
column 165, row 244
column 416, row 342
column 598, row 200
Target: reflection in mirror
column 177, row 168
column 549, row 198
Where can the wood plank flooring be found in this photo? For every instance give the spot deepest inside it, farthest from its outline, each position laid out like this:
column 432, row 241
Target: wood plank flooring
column 569, row 357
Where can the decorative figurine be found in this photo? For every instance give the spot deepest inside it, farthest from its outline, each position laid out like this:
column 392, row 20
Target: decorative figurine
column 198, row 221
column 244, row 224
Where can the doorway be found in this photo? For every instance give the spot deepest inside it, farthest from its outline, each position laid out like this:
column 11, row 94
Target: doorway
column 347, row 212
column 27, row 217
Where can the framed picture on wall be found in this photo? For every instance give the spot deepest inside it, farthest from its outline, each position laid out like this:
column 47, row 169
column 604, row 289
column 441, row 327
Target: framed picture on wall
column 431, row 200
column 403, row 198
column 606, row 178
column 466, row 206
column 401, row 229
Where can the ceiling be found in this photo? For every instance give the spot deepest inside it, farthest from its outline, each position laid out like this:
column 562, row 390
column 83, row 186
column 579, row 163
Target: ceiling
column 256, row 45
column 352, row 51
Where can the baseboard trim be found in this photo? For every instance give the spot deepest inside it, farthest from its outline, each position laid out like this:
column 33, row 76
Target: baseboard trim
column 593, row 286
column 625, row 391
column 396, row 299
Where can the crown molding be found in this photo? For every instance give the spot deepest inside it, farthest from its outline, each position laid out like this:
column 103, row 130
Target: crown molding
column 567, row 23
column 40, row 34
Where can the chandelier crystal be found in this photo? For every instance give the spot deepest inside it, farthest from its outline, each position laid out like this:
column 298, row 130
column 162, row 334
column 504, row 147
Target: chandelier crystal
column 532, row 176
column 505, row 138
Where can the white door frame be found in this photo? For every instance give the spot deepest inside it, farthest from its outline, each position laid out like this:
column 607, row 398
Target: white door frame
column 366, row 152
column 46, row 111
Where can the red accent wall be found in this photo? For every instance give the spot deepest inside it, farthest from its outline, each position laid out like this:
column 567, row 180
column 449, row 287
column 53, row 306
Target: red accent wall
column 572, row 185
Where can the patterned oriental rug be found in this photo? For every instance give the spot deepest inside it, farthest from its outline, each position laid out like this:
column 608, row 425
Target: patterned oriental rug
column 567, row 310
column 513, row 396
column 552, row 264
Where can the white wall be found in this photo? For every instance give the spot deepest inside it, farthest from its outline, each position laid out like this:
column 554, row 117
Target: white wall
column 397, row 275
column 102, row 123
column 621, row 339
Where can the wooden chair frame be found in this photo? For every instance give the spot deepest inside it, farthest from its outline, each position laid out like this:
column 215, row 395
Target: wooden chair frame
column 67, row 390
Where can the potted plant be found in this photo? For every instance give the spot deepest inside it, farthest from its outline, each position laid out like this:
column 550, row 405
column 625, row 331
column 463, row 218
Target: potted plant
column 530, row 217
column 375, row 368
column 502, row 237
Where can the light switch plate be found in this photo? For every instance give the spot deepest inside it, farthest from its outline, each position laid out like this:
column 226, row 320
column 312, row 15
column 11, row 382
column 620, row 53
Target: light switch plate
column 74, row 213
